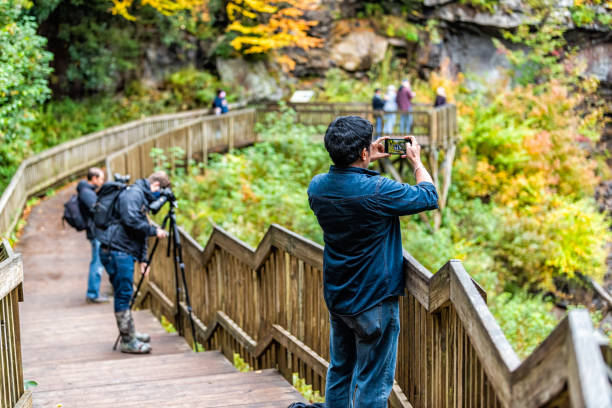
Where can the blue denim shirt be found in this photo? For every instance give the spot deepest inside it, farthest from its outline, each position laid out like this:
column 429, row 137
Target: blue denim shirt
column 359, row 211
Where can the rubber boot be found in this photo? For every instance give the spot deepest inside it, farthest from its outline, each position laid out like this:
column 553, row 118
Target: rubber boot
column 129, row 342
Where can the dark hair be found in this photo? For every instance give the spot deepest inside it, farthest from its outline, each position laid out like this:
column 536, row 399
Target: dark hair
column 346, row 137
column 219, row 91
column 377, row 90
column 94, row 172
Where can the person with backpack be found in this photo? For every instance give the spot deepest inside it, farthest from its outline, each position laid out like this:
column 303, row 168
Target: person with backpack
column 86, row 195
column 123, row 229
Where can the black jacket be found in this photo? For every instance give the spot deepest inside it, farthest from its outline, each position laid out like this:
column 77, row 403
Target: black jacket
column 130, row 227
column 378, row 103
column 87, row 198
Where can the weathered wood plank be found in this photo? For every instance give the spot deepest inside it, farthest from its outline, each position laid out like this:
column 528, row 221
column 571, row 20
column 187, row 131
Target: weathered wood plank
column 497, row 356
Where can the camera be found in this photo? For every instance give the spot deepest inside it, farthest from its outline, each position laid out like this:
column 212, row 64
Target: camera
column 122, row 179
column 165, row 195
column 396, row 146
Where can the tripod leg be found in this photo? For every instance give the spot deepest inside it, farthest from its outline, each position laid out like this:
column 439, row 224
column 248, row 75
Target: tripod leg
column 178, row 250
column 173, row 236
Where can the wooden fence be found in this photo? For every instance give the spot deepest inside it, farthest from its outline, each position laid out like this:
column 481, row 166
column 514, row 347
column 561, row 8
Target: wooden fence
column 267, row 305
column 197, row 138
column 435, row 127
column 12, row 392
column 53, row 165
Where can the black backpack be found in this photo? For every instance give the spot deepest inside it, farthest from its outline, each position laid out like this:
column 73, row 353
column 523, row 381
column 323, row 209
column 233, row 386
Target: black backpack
column 72, row 214
column 103, row 210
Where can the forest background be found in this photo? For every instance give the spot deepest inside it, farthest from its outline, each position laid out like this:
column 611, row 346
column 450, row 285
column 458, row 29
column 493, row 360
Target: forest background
column 521, row 214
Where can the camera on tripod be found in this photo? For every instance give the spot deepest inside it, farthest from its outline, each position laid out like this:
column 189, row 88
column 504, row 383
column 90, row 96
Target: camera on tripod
column 165, row 195
column 122, row 179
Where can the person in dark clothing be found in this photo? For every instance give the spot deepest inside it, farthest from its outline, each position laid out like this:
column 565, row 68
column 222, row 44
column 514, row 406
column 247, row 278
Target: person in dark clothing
column 440, row 97
column 404, row 105
column 86, row 191
column 123, row 243
column 378, row 103
column 220, row 103
column 363, row 278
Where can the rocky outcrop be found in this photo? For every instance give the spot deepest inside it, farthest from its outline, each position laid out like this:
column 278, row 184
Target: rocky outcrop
column 598, row 60
column 358, row 50
column 254, row 77
column 507, row 14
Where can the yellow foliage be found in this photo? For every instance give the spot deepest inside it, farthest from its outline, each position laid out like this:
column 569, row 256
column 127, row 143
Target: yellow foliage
column 165, row 7
column 268, row 25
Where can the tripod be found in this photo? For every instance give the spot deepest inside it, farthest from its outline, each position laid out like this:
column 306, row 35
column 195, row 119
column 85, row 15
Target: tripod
column 174, row 245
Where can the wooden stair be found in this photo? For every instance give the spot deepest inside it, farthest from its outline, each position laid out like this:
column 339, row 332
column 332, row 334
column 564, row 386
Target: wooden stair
column 67, row 344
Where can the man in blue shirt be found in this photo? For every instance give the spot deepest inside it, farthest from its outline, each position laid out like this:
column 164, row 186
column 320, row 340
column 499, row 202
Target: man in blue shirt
column 359, row 211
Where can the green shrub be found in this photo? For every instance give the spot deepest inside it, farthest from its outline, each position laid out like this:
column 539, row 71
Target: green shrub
column 525, row 320
column 24, row 69
column 245, row 191
column 192, row 88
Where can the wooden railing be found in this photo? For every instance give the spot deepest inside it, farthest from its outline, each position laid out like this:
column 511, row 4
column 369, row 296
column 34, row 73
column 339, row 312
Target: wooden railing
column 435, row 127
column 267, row 305
column 12, row 392
column 197, row 138
column 53, row 165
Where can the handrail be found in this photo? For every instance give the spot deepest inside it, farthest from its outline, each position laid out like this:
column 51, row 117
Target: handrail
column 432, row 126
column 12, row 392
column 451, row 351
column 51, row 166
column 57, row 163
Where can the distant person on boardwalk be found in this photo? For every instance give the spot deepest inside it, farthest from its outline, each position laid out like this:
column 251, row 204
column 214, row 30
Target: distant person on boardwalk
column 86, row 192
column 404, row 105
column 391, row 107
column 378, row 103
column 125, row 242
column 440, row 97
column 220, row 103
column 363, row 276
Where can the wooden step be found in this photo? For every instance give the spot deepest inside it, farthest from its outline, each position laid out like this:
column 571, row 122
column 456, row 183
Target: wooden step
column 173, row 387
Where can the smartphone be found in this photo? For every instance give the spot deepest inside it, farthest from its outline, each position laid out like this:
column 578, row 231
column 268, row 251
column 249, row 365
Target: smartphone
column 396, row 146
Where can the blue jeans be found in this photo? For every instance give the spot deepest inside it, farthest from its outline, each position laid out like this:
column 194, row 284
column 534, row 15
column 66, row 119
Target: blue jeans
column 95, row 271
column 406, row 123
column 379, row 123
column 120, row 269
column 389, row 123
column 363, row 353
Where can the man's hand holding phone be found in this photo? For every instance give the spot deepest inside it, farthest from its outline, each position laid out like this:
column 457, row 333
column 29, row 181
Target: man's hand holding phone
column 413, row 151
column 377, row 149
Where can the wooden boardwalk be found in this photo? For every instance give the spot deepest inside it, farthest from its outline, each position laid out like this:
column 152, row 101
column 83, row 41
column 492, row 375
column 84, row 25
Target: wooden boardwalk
column 67, row 343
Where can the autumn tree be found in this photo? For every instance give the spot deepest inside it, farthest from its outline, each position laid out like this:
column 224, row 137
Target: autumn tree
column 258, row 26
column 263, row 26
column 165, row 7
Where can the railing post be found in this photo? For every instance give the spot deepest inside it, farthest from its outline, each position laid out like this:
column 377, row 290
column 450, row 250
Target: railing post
column 12, row 393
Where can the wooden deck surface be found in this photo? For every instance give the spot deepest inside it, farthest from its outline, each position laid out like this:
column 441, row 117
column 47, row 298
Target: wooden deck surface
column 67, row 344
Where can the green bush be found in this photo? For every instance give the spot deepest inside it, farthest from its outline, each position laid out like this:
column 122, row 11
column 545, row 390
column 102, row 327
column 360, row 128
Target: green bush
column 525, row 320
column 192, row 88
column 24, row 69
column 65, row 119
column 245, row 191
